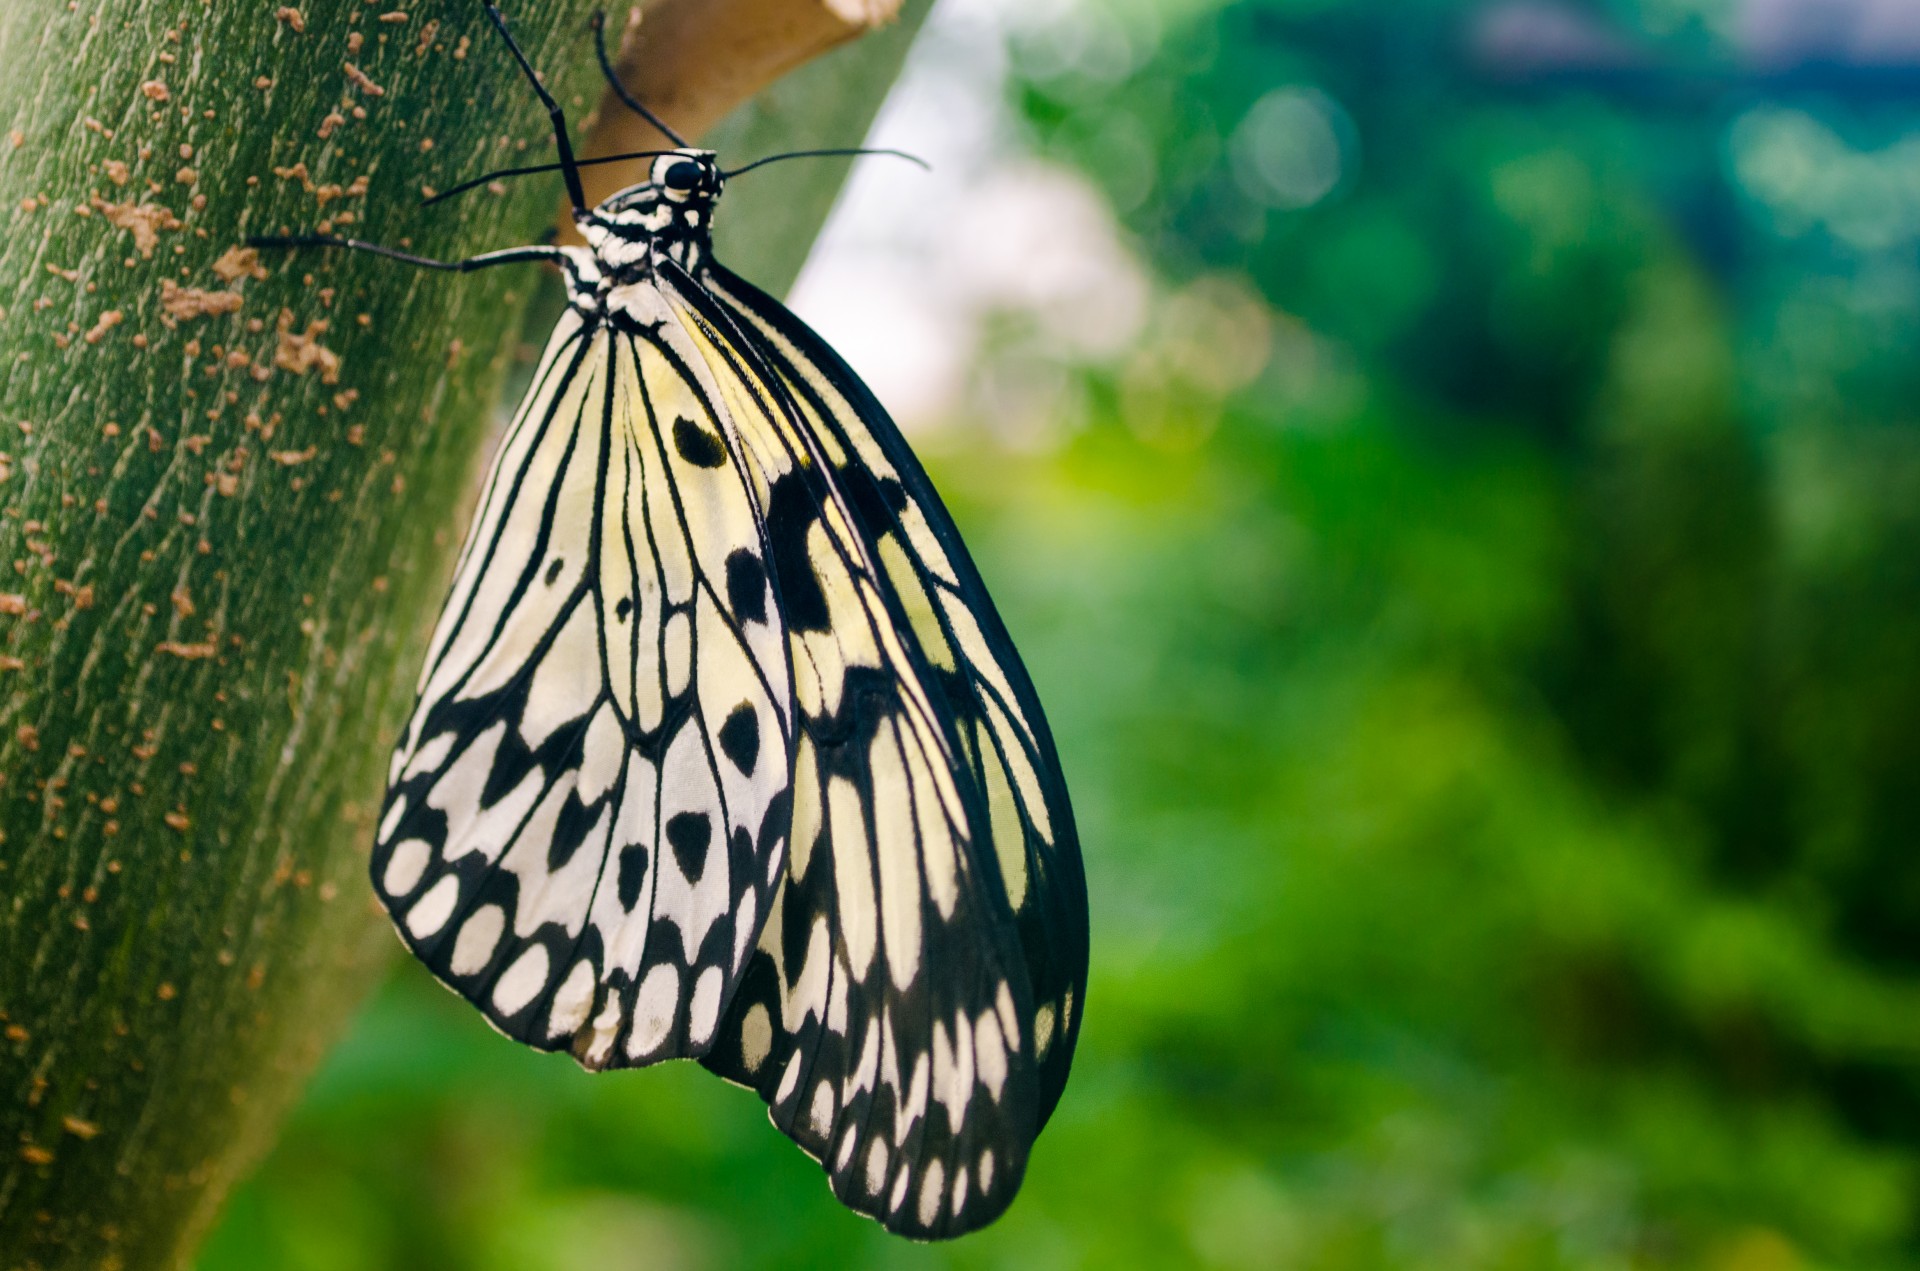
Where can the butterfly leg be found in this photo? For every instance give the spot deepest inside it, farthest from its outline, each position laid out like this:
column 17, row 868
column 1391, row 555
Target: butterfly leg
column 568, row 167
column 507, row 256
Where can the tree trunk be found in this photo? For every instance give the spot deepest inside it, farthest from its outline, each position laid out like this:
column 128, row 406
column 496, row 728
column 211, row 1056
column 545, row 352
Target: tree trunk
column 230, row 490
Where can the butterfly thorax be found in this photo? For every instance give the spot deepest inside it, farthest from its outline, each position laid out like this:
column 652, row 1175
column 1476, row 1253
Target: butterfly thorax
column 669, row 216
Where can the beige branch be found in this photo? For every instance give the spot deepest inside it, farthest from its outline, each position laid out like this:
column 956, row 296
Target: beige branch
column 694, row 61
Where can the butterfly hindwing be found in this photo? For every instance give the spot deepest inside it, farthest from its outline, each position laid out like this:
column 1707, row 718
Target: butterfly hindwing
column 889, row 1016
column 1002, row 730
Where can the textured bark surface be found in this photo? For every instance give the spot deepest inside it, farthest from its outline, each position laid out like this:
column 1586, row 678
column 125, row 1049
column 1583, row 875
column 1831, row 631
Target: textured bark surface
column 229, row 495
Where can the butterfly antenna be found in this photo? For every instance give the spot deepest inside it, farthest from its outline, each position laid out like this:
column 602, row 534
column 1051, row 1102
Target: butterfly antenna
column 485, row 177
column 567, row 165
column 821, row 154
column 599, row 24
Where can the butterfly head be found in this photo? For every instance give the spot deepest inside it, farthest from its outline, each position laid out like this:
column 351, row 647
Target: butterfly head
column 670, row 213
column 689, row 178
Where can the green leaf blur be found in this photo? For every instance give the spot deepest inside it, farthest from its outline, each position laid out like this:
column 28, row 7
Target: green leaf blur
column 1493, row 711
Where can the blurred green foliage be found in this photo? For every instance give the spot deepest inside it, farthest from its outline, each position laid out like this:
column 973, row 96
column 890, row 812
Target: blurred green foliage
column 1494, row 724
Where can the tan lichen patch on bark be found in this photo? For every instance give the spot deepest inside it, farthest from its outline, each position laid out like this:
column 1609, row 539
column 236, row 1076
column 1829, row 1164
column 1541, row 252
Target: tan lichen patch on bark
column 145, row 221
column 363, row 82
column 239, row 262
column 108, row 321
column 324, row 193
column 304, row 352
column 352, row 190
column 194, row 302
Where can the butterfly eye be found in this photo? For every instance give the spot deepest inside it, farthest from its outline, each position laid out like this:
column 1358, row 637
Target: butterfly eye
column 682, row 176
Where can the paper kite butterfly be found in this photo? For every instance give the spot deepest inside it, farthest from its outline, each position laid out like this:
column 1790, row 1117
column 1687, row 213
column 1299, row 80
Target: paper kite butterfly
column 721, row 750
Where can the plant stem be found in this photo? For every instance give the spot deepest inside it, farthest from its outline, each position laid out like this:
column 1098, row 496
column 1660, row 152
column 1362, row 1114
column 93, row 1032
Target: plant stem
column 230, row 490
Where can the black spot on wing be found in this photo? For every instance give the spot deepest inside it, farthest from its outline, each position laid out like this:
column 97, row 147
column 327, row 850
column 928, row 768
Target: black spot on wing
column 633, row 873
column 876, row 501
column 569, row 832
column 801, row 900
column 696, row 445
column 624, row 609
column 774, row 823
column 740, row 738
column 553, row 570
column 747, row 586
column 741, row 859
column 689, row 834
column 512, row 761
column 791, row 512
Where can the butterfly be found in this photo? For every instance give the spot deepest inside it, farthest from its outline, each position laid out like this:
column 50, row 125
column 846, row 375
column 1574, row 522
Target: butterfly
column 721, row 751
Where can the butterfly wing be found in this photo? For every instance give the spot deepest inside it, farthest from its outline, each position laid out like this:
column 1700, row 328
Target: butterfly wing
column 722, row 752
column 586, row 815
column 912, row 1008
column 985, row 685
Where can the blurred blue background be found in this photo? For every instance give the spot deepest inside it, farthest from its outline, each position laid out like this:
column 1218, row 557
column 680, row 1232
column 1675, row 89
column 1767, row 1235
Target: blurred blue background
column 1452, row 469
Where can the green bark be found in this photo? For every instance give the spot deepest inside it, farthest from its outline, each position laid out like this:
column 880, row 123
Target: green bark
column 223, row 536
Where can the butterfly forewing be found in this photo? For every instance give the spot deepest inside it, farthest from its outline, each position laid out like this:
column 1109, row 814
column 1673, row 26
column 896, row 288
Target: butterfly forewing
column 587, row 821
